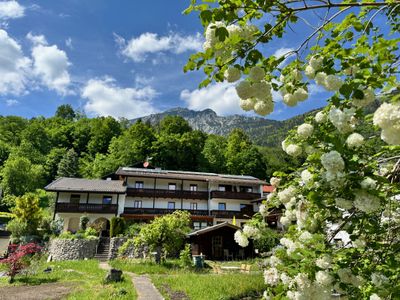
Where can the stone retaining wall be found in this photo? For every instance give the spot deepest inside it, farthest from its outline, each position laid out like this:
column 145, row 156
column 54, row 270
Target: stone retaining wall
column 65, row 249
column 115, row 243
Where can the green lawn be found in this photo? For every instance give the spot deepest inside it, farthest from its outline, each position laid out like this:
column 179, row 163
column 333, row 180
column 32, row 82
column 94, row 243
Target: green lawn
column 173, row 281
column 85, row 276
column 211, row 286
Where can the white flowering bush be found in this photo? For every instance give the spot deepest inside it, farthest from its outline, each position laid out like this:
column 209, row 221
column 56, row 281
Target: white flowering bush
column 341, row 218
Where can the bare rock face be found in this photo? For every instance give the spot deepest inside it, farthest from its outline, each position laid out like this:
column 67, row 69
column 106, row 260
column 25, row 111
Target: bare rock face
column 260, row 130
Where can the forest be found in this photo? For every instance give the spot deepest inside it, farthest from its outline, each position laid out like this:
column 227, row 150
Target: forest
column 34, row 152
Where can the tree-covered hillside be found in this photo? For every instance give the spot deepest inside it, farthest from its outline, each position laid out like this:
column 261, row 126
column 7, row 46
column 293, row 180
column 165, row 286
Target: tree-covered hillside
column 36, row 151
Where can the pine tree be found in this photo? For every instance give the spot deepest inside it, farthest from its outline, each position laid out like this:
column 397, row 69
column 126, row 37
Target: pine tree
column 68, row 166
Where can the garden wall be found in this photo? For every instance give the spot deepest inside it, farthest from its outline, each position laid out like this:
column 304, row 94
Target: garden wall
column 115, row 243
column 66, row 249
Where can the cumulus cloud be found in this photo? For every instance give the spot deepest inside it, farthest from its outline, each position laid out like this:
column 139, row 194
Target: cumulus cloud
column 220, row 97
column 50, row 65
column 138, row 48
column 106, row 98
column 11, row 102
column 11, row 10
column 14, row 66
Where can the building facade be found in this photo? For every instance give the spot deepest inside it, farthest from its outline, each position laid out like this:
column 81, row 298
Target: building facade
column 142, row 194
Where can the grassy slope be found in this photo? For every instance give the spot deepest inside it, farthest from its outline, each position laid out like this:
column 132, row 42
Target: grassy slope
column 85, row 275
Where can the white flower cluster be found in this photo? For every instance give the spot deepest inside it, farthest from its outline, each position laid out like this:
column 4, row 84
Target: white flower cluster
column 291, row 95
column 211, row 38
column 290, row 245
column 366, row 202
column 314, row 65
column 306, row 177
column 305, row 237
column 263, row 210
column 305, row 130
column 344, row 121
column 346, row 276
column 255, row 93
column 275, row 181
column 307, row 290
column 291, row 149
column 374, row 297
column 343, row 203
column 287, row 194
column 334, row 165
column 321, row 117
column 250, row 231
column 323, row 278
column 387, row 117
column 368, row 183
column 378, row 279
column 354, row 140
column 274, row 261
column 332, row 161
column 369, row 97
column 241, row 239
column 271, row 276
column 232, row 74
column 324, row 262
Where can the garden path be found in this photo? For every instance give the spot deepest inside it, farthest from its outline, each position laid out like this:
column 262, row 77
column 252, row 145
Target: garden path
column 145, row 289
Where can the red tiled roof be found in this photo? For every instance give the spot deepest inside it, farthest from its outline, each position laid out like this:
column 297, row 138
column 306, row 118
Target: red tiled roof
column 268, row 188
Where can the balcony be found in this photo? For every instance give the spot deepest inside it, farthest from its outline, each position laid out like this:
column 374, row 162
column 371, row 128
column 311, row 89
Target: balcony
column 162, row 211
column 228, row 214
column 159, row 193
column 87, row 207
column 235, row 195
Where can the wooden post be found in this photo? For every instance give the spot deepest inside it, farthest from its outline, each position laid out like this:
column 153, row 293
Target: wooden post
column 209, row 197
column 116, row 213
column 182, row 194
column 154, row 193
column 55, row 206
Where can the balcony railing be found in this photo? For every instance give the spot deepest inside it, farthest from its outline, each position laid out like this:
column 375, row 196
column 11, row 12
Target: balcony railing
column 159, row 193
column 86, row 207
column 232, row 213
column 162, row 211
column 235, row 195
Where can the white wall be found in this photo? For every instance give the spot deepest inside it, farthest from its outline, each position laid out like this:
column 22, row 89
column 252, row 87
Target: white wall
column 230, row 204
column 94, row 198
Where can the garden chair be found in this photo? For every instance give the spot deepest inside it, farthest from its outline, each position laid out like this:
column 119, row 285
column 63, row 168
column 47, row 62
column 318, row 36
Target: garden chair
column 227, row 256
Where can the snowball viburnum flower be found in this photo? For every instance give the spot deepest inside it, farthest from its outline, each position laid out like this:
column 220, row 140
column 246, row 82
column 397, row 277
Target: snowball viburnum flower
column 310, row 72
column 321, row 117
column 366, row 202
column 369, row 97
column 275, row 181
column 247, row 104
column 256, row 74
column 333, row 83
column 290, row 100
column 244, row 90
column 387, row 117
column 354, row 140
column 264, row 108
column 293, row 150
column 232, row 74
column 300, row 95
column 241, row 239
column 332, row 161
column 305, row 130
column 306, row 176
column 343, row 120
column 316, row 62
column 320, row 78
column 368, row 184
column 285, row 195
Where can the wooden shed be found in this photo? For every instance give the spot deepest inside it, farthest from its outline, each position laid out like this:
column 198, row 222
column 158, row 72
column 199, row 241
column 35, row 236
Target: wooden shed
column 217, row 243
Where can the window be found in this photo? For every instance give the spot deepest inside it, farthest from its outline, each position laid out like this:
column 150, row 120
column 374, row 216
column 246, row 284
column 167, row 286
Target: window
column 196, row 225
column 137, row 204
column 246, row 189
column 75, row 198
column 139, row 184
column 203, row 225
column 171, row 205
column 243, row 206
column 193, row 187
column 172, row 186
column 221, row 206
column 193, row 206
column 107, row 200
column 221, row 188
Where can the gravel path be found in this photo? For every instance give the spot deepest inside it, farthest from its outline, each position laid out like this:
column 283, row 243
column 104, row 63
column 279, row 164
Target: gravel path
column 52, row 291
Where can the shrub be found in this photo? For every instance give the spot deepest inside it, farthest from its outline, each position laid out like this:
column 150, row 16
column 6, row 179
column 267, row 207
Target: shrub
column 91, row 232
column 117, row 226
column 127, row 248
column 19, row 258
column 67, row 235
column 133, row 229
column 185, row 257
column 83, row 222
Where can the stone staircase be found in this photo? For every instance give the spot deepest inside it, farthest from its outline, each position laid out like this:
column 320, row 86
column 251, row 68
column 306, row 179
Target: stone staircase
column 102, row 249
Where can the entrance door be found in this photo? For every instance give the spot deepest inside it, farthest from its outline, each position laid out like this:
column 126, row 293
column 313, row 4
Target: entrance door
column 217, row 246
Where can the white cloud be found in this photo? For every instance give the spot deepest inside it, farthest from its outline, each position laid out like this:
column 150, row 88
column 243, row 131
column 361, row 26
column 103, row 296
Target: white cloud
column 36, row 39
column 106, row 98
column 11, row 10
column 220, row 97
column 50, row 65
column 138, row 48
column 68, row 43
column 14, row 66
column 11, row 102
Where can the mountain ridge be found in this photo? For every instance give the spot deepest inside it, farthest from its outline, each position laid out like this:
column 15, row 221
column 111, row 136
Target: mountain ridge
column 261, row 131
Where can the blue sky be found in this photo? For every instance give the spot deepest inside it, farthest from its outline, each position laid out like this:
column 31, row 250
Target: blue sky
column 118, row 58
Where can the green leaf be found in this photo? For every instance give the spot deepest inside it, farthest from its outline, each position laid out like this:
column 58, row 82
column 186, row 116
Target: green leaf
column 221, row 33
